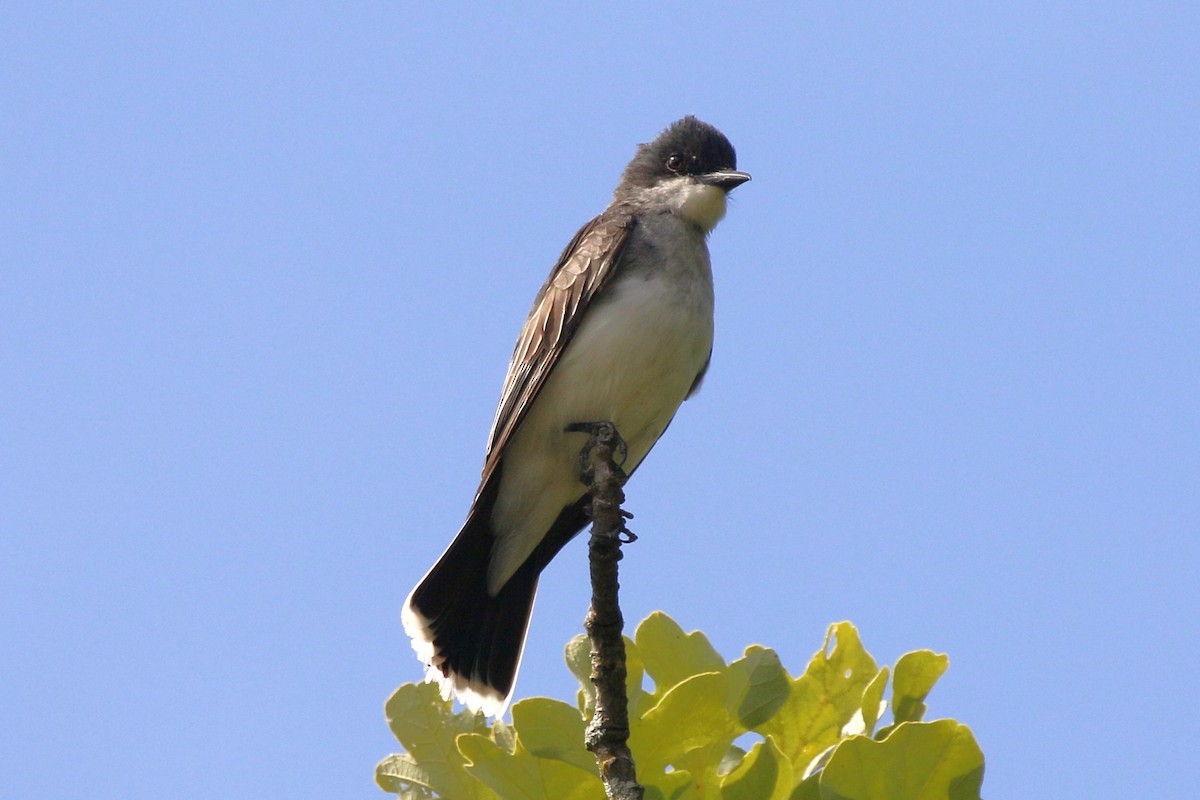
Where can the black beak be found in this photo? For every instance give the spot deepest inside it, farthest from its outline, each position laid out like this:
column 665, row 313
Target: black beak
column 726, row 179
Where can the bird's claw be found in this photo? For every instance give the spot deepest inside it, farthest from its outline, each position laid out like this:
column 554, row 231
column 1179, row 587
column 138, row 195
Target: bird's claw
column 600, row 433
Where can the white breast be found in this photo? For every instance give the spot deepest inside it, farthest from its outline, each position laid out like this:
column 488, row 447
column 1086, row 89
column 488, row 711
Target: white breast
column 631, row 362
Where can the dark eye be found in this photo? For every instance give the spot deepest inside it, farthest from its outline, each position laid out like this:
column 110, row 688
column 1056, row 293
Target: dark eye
column 675, row 162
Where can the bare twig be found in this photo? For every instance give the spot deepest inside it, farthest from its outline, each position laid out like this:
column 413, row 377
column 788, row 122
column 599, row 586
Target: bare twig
column 608, row 733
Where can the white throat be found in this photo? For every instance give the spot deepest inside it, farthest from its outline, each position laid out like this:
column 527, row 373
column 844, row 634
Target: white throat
column 699, row 204
column 702, row 205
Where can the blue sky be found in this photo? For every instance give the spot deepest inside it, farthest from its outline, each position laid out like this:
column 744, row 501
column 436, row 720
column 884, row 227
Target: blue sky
column 263, row 266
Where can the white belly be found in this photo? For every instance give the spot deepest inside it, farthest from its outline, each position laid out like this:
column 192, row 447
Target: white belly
column 632, row 362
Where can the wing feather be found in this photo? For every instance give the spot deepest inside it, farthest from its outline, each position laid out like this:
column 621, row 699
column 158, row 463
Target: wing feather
column 582, row 270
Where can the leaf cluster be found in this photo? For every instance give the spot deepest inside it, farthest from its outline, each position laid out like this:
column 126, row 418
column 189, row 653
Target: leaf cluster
column 692, row 717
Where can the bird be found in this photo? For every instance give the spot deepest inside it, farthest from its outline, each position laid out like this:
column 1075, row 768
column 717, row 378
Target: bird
column 621, row 331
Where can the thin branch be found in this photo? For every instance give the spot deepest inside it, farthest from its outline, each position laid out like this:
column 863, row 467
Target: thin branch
column 608, row 733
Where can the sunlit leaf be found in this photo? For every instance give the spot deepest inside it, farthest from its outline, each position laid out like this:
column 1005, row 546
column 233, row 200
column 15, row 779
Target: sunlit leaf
column 523, row 776
column 758, row 686
column 400, row 775
column 822, row 700
column 669, row 655
column 578, row 655
column 579, row 661
column 426, row 726
column 691, row 716
column 873, row 703
column 816, row 730
column 552, row 729
column 675, row 785
column 915, row 675
column 765, row 774
column 918, row 761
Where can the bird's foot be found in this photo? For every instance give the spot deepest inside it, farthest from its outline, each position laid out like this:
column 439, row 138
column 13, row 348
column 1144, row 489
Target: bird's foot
column 600, row 433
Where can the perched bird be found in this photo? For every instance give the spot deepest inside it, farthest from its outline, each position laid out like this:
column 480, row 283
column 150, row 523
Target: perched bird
column 621, row 332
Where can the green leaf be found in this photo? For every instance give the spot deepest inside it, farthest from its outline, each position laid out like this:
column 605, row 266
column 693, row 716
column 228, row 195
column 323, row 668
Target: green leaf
column 504, row 735
column 758, row 686
column 400, row 775
column 670, row 655
column 915, row 675
column 682, row 735
column 765, row 774
column 822, row 700
column 808, row 789
column 523, row 776
column 730, row 761
column 426, row 727
column 578, row 654
column 639, row 698
column 918, row 761
column 873, row 703
column 552, row 729
column 675, row 785
column 689, row 725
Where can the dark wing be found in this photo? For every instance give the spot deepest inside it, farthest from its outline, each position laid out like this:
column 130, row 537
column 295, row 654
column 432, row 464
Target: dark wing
column 584, row 267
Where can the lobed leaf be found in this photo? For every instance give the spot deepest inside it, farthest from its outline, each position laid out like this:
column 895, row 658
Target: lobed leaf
column 521, row 775
column 764, row 774
column 671, row 656
column 822, row 700
column 873, row 703
column 758, row 686
column 918, row 761
column 915, row 675
column 426, row 726
column 552, row 729
column 578, row 654
column 690, row 717
column 817, row 730
column 403, row 777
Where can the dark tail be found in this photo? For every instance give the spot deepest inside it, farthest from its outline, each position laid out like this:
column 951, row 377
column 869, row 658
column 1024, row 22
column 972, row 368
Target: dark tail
column 472, row 641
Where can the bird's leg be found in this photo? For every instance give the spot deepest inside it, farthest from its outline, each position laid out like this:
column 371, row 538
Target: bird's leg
column 603, row 476
column 601, row 434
